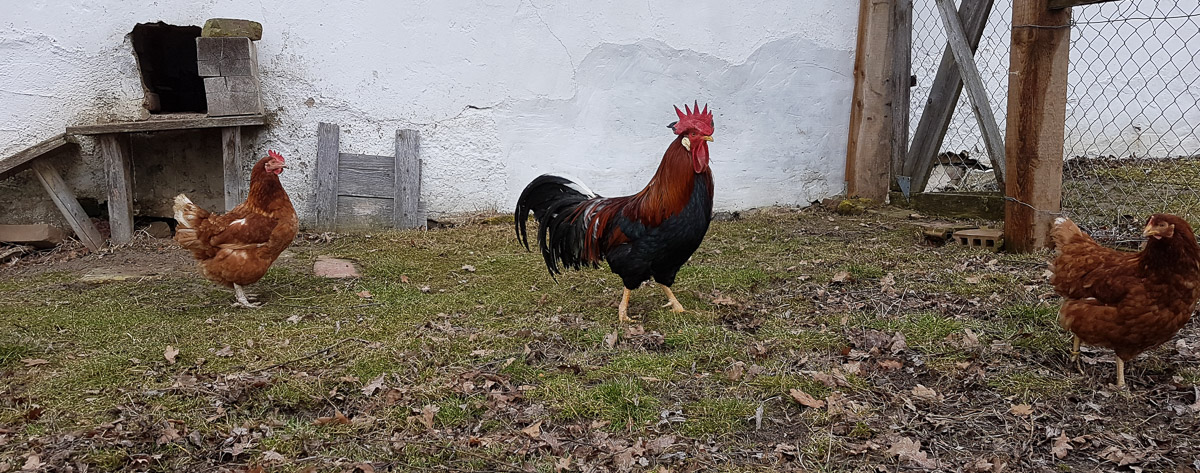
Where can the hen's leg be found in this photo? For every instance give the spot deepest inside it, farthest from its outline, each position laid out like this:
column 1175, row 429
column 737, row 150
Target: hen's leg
column 623, row 308
column 1120, row 373
column 673, row 302
column 241, row 298
column 1075, row 350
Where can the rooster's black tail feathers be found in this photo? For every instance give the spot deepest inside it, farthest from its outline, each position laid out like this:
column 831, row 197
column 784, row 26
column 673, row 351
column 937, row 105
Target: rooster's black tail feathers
column 553, row 201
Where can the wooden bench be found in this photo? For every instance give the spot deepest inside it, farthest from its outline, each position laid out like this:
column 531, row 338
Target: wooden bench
column 112, row 143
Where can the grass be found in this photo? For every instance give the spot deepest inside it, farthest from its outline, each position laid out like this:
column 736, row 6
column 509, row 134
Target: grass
column 498, row 346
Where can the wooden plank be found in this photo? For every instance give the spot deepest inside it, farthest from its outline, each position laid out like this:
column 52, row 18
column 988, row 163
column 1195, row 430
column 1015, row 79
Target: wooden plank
column 868, row 166
column 1037, row 109
column 231, row 160
column 325, row 200
column 66, row 202
column 363, row 175
column 901, row 44
column 407, row 210
column 955, row 205
column 358, row 213
column 977, row 94
column 1060, row 4
column 114, row 149
column 943, row 97
column 174, row 122
column 40, row 235
column 33, row 152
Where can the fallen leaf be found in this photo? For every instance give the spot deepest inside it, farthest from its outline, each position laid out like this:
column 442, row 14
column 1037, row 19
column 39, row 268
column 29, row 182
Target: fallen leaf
column 735, row 372
column 271, row 456
column 468, row 268
column 910, row 450
column 534, row 430
column 1021, row 410
column 723, row 300
column 375, row 385
column 1061, row 445
column 403, row 279
column 295, row 319
column 169, row 434
column 841, row 276
column 427, row 414
column 611, row 339
column 974, row 279
column 170, row 353
column 338, row 418
column 33, row 463
column 922, row 392
column 805, row 399
column 225, row 352
column 364, row 467
column 364, row 294
column 890, row 365
column 34, row 362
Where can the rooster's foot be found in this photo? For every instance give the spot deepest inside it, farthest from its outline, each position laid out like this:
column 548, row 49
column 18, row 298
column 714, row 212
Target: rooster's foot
column 673, row 303
column 624, row 308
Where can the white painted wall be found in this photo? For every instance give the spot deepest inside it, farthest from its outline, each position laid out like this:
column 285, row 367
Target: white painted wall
column 501, row 90
column 1133, row 85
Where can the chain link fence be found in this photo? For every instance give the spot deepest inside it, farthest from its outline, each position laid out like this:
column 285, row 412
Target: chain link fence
column 1133, row 111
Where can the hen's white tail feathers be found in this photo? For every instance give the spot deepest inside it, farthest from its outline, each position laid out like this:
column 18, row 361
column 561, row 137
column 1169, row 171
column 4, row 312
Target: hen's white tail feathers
column 185, row 211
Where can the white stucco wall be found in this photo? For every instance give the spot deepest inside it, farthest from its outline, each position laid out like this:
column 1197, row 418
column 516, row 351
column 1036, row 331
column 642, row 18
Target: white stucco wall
column 1133, row 84
column 501, row 90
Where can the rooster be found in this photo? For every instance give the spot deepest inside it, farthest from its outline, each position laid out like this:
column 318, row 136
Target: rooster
column 1129, row 302
column 237, row 248
column 646, row 235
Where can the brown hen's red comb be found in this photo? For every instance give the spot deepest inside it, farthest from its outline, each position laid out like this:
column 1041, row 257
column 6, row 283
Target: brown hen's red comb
column 694, row 119
column 275, row 155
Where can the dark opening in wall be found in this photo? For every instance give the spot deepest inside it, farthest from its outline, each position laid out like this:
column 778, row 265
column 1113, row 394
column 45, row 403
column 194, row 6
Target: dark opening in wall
column 166, row 55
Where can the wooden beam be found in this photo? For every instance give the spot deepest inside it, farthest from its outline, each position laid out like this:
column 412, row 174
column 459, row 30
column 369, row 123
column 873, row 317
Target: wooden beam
column 943, row 98
column 1037, row 108
column 175, row 122
column 868, row 158
column 65, row 200
column 901, row 44
column 33, row 152
column 231, row 160
column 325, row 200
column 1060, row 4
column 980, row 105
column 407, row 208
column 114, row 149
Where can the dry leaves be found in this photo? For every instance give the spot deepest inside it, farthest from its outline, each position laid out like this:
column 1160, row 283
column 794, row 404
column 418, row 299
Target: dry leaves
column 34, row 362
column 1021, row 410
column 910, row 450
column 534, row 430
column 805, row 399
column 1061, row 445
column 928, row 394
column 375, row 385
column 338, row 418
column 170, row 353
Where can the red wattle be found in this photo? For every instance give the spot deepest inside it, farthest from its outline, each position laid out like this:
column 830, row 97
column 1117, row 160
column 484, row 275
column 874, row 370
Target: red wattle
column 700, row 156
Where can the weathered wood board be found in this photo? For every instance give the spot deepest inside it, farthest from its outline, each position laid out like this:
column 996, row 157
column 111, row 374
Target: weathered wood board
column 361, row 191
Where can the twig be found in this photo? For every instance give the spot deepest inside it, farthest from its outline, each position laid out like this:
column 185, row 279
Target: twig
column 313, row 354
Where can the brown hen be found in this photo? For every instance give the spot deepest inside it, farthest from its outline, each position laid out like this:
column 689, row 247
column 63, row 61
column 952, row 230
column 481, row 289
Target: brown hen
column 1129, row 302
column 237, row 248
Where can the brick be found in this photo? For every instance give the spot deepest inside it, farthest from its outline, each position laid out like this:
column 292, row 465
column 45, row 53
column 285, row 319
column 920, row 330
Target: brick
column 990, row 238
column 231, row 27
column 39, row 235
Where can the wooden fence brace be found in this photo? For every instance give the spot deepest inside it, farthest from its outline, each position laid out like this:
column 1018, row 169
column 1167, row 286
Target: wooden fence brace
column 943, row 97
column 901, row 44
column 868, row 150
column 975, row 90
column 114, row 148
column 407, row 210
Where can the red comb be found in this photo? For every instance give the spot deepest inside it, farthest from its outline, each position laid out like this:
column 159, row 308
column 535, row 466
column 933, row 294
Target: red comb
column 274, row 155
column 694, row 119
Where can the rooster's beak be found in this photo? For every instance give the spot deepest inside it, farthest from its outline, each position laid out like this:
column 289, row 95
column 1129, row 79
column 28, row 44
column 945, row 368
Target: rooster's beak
column 707, row 138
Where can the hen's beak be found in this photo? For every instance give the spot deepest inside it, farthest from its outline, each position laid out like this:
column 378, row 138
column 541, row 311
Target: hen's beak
column 1150, row 231
column 707, row 138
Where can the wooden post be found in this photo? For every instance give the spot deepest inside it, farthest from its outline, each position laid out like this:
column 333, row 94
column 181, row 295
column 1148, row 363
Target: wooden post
column 943, row 97
column 231, row 157
column 869, row 148
column 980, row 105
column 901, row 45
column 325, row 200
column 114, row 148
column 65, row 200
column 1037, row 98
column 407, row 205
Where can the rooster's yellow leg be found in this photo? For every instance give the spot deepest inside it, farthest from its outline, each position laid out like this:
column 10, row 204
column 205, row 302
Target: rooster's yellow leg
column 1120, row 373
column 674, row 303
column 623, row 308
column 1075, row 349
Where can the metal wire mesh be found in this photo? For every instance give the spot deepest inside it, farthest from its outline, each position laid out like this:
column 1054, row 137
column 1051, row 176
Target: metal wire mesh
column 1132, row 147
column 964, row 140
column 1133, row 110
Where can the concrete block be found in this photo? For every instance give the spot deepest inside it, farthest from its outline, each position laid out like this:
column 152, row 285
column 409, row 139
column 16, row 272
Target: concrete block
column 230, row 27
column 990, row 238
column 39, row 235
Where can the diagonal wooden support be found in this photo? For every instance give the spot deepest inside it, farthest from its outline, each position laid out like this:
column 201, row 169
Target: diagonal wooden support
column 974, row 85
column 943, row 97
column 65, row 200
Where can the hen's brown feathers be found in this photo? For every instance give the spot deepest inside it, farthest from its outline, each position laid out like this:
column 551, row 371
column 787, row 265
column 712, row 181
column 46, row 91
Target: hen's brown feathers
column 1129, row 302
column 239, row 246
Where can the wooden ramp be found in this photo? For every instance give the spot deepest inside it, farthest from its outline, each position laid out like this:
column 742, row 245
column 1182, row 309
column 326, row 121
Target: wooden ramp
column 36, row 157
